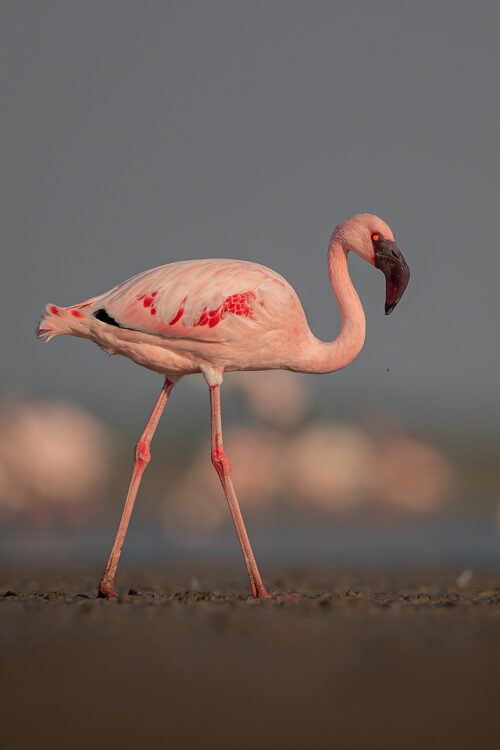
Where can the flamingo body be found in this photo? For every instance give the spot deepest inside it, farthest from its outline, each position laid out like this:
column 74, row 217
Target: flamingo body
column 214, row 315
column 191, row 316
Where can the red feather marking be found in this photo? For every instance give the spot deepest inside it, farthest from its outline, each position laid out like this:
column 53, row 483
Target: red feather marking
column 54, row 310
column 153, row 294
column 77, row 313
column 178, row 315
column 141, row 296
column 236, row 304
column 153, row 311
column 148, row 302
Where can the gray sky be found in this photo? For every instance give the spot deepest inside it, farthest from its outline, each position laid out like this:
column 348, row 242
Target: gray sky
column 138, row 133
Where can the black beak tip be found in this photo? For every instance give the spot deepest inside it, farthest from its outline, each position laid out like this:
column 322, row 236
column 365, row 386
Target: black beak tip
column 389, row 260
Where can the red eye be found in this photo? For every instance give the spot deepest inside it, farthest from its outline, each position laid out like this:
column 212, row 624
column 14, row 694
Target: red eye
column 375, row 237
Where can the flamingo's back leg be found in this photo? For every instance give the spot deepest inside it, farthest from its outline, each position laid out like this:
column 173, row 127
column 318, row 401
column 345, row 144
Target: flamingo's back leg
column 142, row 457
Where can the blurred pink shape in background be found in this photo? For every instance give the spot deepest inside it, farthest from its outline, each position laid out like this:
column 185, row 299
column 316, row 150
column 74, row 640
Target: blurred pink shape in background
column 329, row 466
column 277, row 397
column 55, row 461
column 195, row 503
column 316, row 468
column 411, row 474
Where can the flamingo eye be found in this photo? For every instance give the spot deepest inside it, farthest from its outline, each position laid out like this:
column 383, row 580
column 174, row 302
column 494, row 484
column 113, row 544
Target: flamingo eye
column 376, row 237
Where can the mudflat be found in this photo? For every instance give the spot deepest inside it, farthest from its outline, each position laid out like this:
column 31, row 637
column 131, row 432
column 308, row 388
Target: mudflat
column 406, row 658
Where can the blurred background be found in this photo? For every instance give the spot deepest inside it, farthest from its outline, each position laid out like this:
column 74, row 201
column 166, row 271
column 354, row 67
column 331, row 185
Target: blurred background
column 138, row 134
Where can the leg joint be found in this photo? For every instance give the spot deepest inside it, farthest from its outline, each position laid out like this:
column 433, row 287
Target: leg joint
column 142, row 452
column 221, row 462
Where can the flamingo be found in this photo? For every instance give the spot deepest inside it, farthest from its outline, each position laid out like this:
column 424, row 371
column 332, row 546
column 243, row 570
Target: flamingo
column 218, row 315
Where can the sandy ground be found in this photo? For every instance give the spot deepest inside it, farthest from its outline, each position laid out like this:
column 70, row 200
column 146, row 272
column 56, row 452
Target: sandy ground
column 389, row 658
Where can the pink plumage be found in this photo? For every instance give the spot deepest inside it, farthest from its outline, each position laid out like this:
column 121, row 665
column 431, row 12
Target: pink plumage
column 215, row 315
column 190, row 316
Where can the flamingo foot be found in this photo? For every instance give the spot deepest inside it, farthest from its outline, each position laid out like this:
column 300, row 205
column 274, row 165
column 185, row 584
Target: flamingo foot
column 106, row 591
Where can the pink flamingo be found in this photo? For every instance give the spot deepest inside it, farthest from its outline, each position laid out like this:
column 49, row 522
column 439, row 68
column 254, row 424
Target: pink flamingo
column 209, row 316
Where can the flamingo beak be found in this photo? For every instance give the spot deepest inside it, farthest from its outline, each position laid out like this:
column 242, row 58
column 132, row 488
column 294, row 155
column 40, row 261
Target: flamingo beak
column 389, row 259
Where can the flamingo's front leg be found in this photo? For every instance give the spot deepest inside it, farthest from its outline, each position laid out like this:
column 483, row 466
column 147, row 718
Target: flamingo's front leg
column 223, row 468
column 142, row 457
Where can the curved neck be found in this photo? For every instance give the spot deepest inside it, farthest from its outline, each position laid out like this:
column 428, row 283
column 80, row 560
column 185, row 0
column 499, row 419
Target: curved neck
column 329, row 356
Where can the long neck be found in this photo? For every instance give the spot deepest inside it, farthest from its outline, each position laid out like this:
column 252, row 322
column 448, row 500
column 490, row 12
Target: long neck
column 329, row 356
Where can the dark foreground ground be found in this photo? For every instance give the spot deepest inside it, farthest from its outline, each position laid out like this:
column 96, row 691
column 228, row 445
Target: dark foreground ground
column 391, row 658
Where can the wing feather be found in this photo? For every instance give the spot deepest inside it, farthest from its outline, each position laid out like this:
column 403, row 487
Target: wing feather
column 170, row 299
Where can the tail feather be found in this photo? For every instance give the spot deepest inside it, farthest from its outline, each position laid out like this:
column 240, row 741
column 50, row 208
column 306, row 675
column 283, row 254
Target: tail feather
column 52, row 322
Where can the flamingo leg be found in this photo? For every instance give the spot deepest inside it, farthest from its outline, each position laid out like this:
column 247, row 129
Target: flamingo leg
column 223, row 468
column 142, row 458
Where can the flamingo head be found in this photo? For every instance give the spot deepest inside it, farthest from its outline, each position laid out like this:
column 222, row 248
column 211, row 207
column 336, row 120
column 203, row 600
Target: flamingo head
column 372, row 239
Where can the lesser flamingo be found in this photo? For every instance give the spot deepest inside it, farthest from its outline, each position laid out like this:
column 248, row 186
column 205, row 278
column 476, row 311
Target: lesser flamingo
column 210, row 316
